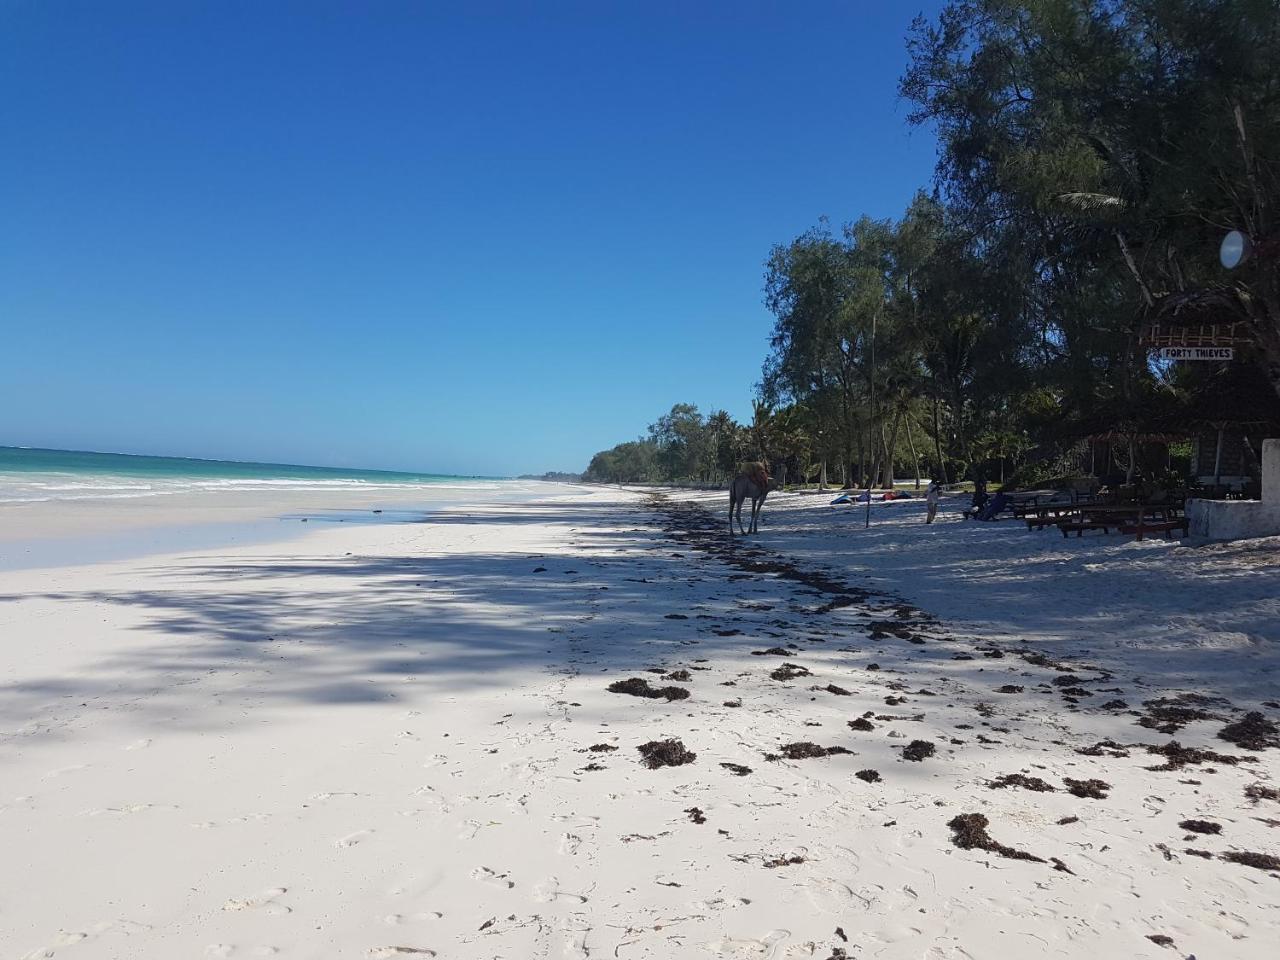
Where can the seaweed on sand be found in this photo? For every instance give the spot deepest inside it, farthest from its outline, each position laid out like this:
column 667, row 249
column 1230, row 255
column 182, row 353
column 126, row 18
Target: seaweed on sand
column 1107, row 748
column 1256, row 792
column 918, row 750
column 1201, row 826
column 1177, row 756
column 776, row 862
column 639, row 687
column 1020, row 780
column 789, row 671
column 804, row 750
column 1171, row 714
column 1252, row 732
column 1088, row 789
column 969, row 832
column 1260, row 861
column 665, row 753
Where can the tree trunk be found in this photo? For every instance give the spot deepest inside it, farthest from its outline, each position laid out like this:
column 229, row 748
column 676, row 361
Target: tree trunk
column 937, row 433
column 878, row 467
column 915, row 457
column 890, row 447
column 822, row 475
column 1217, row 460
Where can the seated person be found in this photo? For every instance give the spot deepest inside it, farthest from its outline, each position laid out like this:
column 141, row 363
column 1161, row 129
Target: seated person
column 980, row 499
column 993, row 506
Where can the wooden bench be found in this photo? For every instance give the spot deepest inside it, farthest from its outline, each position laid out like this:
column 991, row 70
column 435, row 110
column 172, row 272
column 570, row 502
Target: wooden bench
column 1160, row 526
column 1078, row 527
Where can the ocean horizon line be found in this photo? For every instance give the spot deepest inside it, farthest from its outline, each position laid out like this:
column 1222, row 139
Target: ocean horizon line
column 28, row 460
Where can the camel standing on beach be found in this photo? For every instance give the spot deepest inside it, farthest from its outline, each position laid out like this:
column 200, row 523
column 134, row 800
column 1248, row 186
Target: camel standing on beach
column 752, row 483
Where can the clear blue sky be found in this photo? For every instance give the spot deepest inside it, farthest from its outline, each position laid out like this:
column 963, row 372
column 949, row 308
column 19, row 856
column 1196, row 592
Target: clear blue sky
column 465, row 237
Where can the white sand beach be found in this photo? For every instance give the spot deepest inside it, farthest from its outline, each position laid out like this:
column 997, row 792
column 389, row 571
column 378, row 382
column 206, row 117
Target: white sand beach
column 386, row 740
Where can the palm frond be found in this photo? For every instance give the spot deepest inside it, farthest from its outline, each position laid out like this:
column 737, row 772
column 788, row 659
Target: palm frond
column 1091, row 202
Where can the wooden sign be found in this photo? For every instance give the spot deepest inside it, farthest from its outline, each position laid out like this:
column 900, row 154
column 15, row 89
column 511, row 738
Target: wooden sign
column 1197, row 353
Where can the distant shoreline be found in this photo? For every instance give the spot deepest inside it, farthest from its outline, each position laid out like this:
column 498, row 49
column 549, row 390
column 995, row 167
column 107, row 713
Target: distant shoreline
column 105, row 527
column 34, row 475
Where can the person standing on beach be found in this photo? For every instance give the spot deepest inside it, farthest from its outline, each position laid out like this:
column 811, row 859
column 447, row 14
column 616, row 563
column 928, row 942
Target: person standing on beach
column 931, row 500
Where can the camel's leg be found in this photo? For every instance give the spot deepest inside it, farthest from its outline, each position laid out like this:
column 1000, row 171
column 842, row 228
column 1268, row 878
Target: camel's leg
column 755, row 516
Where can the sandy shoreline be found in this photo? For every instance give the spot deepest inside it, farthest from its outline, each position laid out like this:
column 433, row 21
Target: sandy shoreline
column 57, row 533
column 376, row 741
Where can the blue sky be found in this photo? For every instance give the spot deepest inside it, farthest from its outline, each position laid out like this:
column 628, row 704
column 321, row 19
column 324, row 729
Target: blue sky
column 473, row 238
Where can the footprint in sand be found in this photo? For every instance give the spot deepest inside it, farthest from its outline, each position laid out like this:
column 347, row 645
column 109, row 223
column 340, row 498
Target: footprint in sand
column 63, row 771
column 580, row 821
column 569, row 843
column 63, row 939
column 400, row 919
column 352, row 839
column 139, row 744
column 385, row 953
column 521, row 769
column 493, row 878
column 573, row 933
column 766, row 948
column 947, row 951
column 265, row 902
column 831, row 896
column 550, row 891
column 431, row 795
column 229, row 950
column 126, row 810
column 893, row 933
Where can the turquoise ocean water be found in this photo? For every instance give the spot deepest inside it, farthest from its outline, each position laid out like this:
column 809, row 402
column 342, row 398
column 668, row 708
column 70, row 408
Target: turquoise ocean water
column 32, row 475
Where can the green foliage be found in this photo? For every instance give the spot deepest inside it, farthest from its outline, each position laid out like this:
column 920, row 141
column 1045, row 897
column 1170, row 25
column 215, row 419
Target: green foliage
column 1117, row 141
column 1092, row 153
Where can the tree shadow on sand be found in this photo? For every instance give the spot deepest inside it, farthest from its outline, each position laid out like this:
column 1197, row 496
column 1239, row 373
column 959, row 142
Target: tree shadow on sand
column 630, row 587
